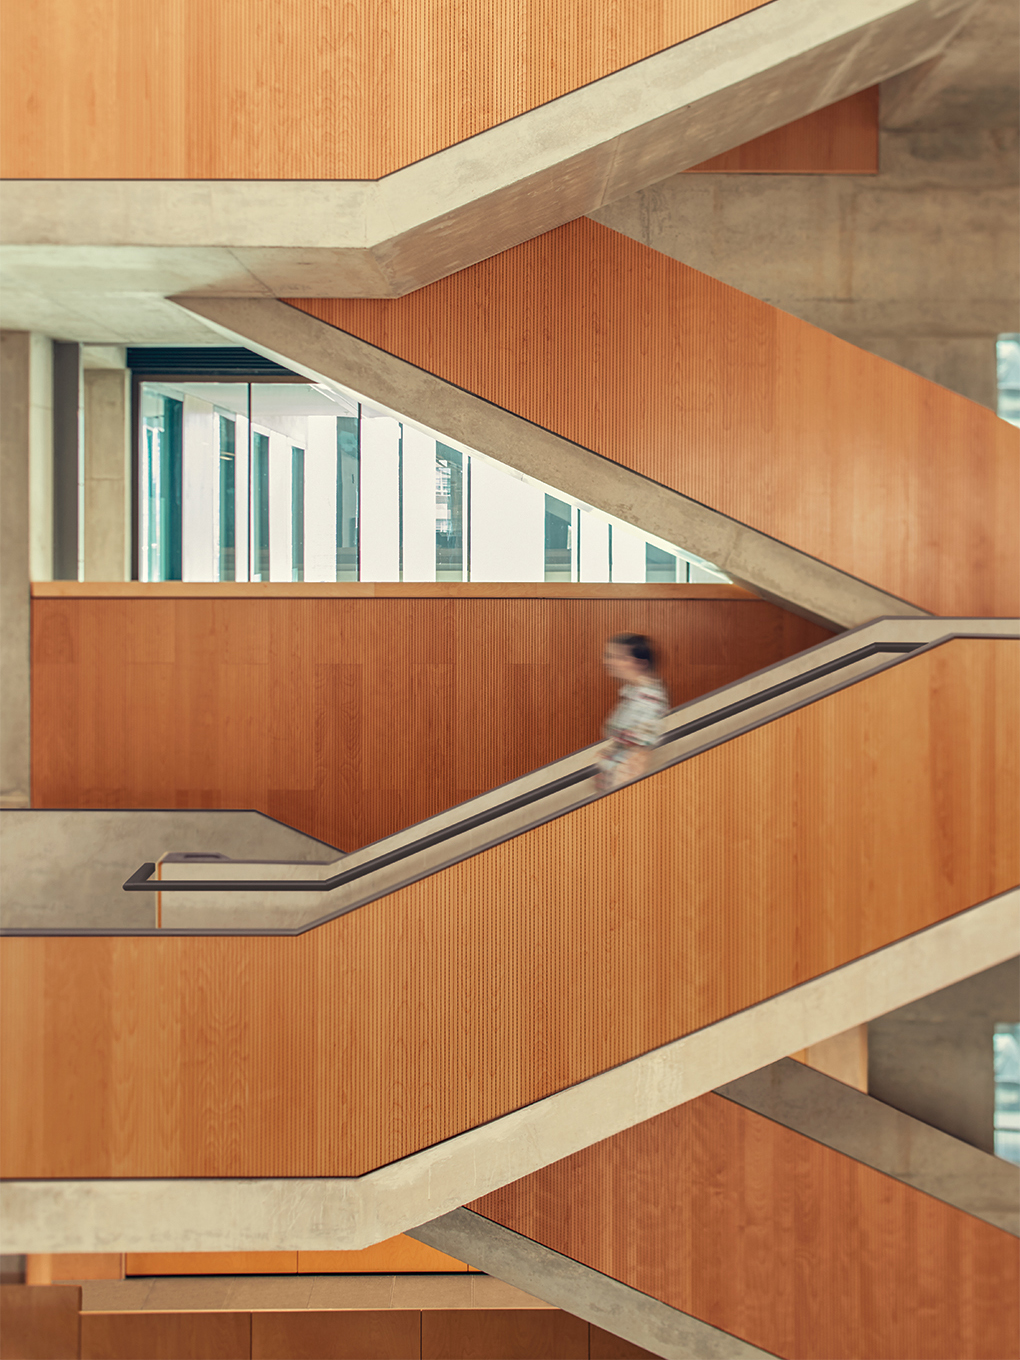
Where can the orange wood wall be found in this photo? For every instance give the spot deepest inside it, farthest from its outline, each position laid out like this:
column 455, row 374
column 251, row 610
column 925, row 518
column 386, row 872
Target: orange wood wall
column 534, row 1333
column 747, row 409
column 776, row 1239
column 350, row 717
column 298, row 89
column 840, row 139
column 542, row 961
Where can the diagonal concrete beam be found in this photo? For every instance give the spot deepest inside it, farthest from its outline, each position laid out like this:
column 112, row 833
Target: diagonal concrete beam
column 96, row 250
column 576, row 1288
column 894, row 1143
column 774, row 570
column 300, row 1213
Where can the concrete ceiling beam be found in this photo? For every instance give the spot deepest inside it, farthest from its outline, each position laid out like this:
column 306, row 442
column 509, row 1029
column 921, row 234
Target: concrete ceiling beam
column 92, row 259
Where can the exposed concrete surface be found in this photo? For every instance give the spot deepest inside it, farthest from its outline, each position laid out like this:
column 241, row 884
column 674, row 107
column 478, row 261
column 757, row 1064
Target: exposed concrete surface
column 107, row 515
column 864, row 1128
column 319, row 351
column 919, row 264
column 93, row 259
column 579, row 1290
column 974, row 82
column 18, row 357
column 933, row 1058
column 303, row 1214
column 64, row 867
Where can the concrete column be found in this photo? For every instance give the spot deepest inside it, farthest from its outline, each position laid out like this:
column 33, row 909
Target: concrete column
column 107, row 472
column 67, row 438
column 933, row 1058
column 25, row 539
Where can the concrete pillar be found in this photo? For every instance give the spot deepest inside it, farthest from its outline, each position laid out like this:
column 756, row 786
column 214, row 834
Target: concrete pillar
column 25, row 539
column 107, row 474
column 933, row 1058
column 67, row 444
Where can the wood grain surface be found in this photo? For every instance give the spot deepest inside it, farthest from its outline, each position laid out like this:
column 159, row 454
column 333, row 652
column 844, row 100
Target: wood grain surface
column 297, row 89
column 39, row 1320
column 726, row 399
column 351, row 718
column 841, row 139
column 627, row 923
column 168, row 1336
column 776, row 1239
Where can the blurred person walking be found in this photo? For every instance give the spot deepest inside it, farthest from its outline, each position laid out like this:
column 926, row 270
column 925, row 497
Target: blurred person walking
column 631, row 731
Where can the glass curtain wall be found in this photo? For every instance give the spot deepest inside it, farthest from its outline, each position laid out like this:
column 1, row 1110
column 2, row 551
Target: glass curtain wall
column 294, row 481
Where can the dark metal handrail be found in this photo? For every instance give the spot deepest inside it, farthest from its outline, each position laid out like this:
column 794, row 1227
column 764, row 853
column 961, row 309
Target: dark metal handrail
column 142, row 881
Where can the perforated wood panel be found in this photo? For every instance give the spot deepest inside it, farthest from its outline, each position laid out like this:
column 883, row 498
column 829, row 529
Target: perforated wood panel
column 556, row 955
column 776, row 1239
column 841, row 139
column 754, row 412
column 351, row 718
column 297, row 89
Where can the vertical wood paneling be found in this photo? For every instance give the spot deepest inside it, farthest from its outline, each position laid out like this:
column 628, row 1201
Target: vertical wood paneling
column 779, row 1240
column 510, row 1333
column 350, row 718
column 841, row 139
column 726, row 399
column 259, row 89
column 339, row 1334
column 166, row 1336
column 636, row 919
column 39, row 1320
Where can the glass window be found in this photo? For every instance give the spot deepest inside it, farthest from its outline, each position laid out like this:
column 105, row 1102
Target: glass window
column 660, row 566
column 161, row 518
column 1007, row 365
column 559, row 539
column 1006, row 1041
column 297, row 514
column 348, row 486
column 297, row 481
column 260, row 506
column 228, row 493
column 449, row 514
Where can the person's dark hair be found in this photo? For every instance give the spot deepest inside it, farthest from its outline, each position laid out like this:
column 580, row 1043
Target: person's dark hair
column 639, row 646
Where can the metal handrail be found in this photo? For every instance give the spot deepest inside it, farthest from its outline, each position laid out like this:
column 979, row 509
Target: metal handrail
column 142, row 879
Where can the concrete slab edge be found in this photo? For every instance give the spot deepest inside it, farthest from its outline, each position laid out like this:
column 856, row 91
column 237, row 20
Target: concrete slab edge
column 325, row 354
column 855, row 1124
column 580, row 1290
column 509, row 183
column 305, row 1213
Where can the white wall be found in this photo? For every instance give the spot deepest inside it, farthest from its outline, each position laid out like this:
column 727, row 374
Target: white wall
column 280, row 560
column 507, row 526
column 200, row 494
column 419, row 505
column 320, row 499
column 380, row 489
column 628, row 555
column 594, row 548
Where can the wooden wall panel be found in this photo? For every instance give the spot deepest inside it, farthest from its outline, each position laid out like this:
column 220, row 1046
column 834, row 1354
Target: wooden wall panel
column 776, row 1239
column 258, row 89
column 716, row 394
column 39, row 1322
column 841, row 139
column 166, row 1336
column 339, row 1334
column 210, row 1263
column 561, row 953
column 510, row 1333
column 351, row 718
